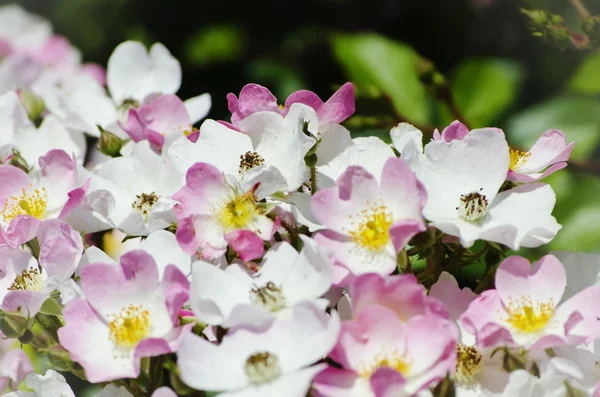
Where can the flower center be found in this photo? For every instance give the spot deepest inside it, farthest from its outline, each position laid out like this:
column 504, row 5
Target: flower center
column 143, row 203
column 473, row 206
column 394, row 361
column 372, row 229
column 238, row 212
column 250, row 160
column 269, row 297
column 130, row 326
column 262, row 367
column 28, row 280
column 529, row 317
column 33, row 204
column 469, row 363
column 518, row 158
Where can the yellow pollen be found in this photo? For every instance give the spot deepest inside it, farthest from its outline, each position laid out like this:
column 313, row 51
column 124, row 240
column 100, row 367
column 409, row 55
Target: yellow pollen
column 130, row 326
column 190, row 131
column 238, row 212
column 373, row 229
column 518, row 158
column 28, row 280
column 282, row 107
column 469, row 363
column 529, row 317
column 382, row 360
column 33, row 204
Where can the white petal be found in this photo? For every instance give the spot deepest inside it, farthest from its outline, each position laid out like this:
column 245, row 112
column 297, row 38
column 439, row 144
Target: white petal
column 198, row 107
column 133, row 73
column 404, row 133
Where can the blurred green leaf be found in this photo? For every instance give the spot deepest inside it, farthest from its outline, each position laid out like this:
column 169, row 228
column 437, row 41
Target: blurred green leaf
column 388, row 65
column 578, row 118
column 578, row 210
column 218, row 43
column 484, row 88
column 586, row 79
column 284, row 79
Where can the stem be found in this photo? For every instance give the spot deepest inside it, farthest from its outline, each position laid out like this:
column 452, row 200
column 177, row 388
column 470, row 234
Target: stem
column 313, row 180
column 487, row 280
column 582, row 11
column 34, row 245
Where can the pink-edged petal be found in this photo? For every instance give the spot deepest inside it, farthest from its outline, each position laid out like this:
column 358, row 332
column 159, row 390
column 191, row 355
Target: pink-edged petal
column 204, row 184
column 60, row 248
column 528, row 178
column 456, row 300
column 456, row 130
column 549, row 149
column 86, row 337
column 164, row 114
column 22, row 229
column 545, row 283
column 186, row 235
column 152, row 347
column 339, row 107
column 246, row 243
column 334, row 382
column 305, row 97
column 583, row 303
column 156, row 139
column 334, row 206
column 386, row 382
column 16, row 365
column 481, row 320
column 401, row 191
column 13, row 181
column 176, row 289
column 401, row 232
column 253, row 98
column 134, row 126
column 96, row 71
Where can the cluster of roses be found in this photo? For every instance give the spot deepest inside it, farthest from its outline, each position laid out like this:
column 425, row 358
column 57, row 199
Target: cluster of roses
column 272, row 254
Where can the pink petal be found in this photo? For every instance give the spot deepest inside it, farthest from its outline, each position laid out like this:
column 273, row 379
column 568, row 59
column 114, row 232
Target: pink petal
column 246, row 243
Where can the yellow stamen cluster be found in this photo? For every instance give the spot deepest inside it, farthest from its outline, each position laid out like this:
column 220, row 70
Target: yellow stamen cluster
column 238, row 212
column 394, row 361
column 371, row 231
column 518, row 158
column 33, row 204
column 469, row 363
column 529, row 317
column 130, row 326
column 28, row 280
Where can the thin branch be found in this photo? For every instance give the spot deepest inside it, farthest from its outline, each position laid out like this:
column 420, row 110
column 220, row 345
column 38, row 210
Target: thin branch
column 582, row 11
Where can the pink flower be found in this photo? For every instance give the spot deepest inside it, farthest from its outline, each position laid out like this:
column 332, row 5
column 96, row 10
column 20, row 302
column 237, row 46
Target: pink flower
column 166, row 116
column 256, row 98
column 369, row 222
column 25, row 285
column 383, row 356
column 15, row 365
column 525, row 309
column 403, row 294
column 129, row 314
column 214, row 212
column 548, row 155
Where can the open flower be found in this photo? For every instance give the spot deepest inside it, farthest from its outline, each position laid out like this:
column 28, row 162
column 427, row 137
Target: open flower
column 215, row 211
column 465, row 176
column 142, row 185
column 524, row 308
column 269, row 151
column 369, row 222
column 381, row 355
column 547, row 155
column 128, row 313
column 273, row 360
column 285, row 277
column 15, row 365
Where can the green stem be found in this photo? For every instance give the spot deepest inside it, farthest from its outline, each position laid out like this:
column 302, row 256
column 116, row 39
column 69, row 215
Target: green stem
column 34, row 246
column 582, row 11
column 313, row 180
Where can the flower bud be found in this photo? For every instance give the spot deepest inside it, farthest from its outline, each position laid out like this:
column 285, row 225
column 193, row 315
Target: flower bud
column 18, row 161
column 109, row 144
column 34, row 105
column 14, row 325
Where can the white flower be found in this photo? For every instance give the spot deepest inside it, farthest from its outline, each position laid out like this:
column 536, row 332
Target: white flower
column 286, row 277
column 463, row 179
column 52, row 384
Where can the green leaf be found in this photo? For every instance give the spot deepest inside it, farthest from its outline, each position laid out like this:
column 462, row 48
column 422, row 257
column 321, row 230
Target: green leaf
column 219, row 43
column 484, row 89
column 390, row 66
column 578, row 118
column 586, row 79
column 578, row 212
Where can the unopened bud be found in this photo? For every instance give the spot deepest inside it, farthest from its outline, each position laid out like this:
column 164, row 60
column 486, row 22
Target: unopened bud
column 34, row 105
column 109, row 144
column 14, row 325
column 18, row 161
